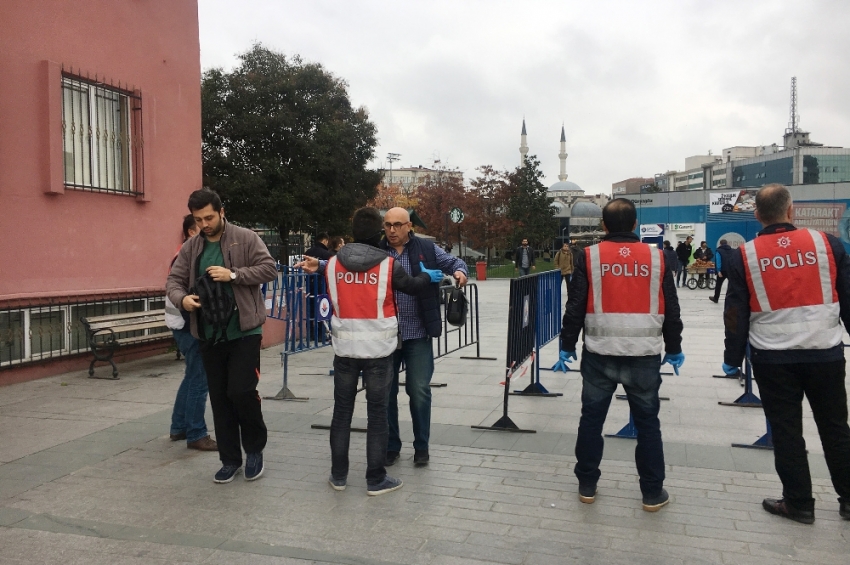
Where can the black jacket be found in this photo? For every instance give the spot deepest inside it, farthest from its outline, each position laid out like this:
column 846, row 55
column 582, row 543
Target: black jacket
column 683, row 252
column 518, row 256
column 705, row 254
column 736, row 314
column 671, row 259
column 577, row 302
column 319, row 251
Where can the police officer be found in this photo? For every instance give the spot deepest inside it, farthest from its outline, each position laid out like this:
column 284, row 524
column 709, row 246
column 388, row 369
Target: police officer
column 788, row 290
column 623, row 296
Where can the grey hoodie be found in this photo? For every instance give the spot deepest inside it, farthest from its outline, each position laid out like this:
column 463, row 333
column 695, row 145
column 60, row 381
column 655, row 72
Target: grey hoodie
column 360, row 257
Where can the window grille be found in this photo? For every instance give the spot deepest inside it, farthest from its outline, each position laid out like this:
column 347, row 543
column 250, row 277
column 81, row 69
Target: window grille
column 101, row 136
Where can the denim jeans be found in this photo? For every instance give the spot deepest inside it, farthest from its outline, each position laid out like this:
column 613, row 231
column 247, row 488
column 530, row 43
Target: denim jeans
column 680, row 270
column 418, row 357
column 641, row 378
column 377, row 376
column 523, row 271
column 782, row 388
column 191, row 401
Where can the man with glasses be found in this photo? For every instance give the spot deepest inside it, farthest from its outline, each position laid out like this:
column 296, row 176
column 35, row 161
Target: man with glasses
column 419, row 321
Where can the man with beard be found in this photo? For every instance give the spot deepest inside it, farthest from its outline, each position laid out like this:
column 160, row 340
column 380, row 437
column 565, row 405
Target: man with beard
column 238, row 261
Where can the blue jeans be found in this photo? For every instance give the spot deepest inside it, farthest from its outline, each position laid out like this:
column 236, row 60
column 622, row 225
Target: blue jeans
column 377, row 375
column 680, row 270
column 191, row 401
column 641, row 377
column 418, row 357
column 524, row 271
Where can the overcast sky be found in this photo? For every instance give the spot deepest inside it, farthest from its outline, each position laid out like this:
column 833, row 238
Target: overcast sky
column 638, row 85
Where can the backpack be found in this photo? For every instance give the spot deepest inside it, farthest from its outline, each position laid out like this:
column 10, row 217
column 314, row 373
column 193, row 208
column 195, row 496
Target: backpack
column 217, row 305
column 456, row 306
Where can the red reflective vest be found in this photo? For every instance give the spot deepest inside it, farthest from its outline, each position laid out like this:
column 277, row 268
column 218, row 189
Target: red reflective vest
column 791, row 277
column 364, row 323
column 625, row 304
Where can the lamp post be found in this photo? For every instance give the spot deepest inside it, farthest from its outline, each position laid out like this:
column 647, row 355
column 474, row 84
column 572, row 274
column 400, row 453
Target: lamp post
column 391, row 157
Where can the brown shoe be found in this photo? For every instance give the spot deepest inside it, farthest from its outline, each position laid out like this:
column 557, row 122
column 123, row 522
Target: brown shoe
column 203, row 444
column 782, row 508
column 177, row 437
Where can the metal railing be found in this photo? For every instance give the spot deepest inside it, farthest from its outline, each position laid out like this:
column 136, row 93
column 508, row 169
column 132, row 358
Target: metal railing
column 51, row 328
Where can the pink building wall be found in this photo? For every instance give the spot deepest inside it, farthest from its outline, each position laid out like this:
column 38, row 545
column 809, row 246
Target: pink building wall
column 61, row 242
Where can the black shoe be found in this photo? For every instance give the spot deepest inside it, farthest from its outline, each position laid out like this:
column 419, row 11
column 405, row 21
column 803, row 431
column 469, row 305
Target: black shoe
column 844, row 509
column 587, row 493
column 781, row 508
column 177, row 437
column 715, row 300
column 254, row 466
column 654, row 503
column 392, row 457
column 420, row 457
column 227, row 473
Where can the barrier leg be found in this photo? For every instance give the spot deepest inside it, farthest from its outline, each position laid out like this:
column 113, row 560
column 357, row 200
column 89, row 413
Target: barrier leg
column 535, row 388
column 764, row 442
column 748, row 399
column 284, row 393
column 629, row 431
column 505, row 424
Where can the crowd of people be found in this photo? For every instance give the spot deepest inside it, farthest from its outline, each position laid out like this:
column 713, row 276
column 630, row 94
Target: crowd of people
column 789, row 292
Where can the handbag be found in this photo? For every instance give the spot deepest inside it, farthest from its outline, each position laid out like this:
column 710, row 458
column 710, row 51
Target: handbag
column 456, row 306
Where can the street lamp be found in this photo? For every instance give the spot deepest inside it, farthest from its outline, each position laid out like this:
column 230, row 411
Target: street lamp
column 391, row 157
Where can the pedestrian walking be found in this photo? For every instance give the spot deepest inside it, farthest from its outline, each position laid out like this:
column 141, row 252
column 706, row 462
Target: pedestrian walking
column 789, row 292
column 524, row 258
column 564, row 261
column 226, row 264
column 623, row 298
column 721, row 260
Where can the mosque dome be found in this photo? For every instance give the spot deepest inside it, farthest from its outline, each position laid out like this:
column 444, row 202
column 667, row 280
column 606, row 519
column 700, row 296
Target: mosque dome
column 585, row 210
column 565, row 185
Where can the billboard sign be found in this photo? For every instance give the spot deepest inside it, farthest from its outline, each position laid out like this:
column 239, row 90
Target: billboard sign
column 732, row 201
column 821, row 216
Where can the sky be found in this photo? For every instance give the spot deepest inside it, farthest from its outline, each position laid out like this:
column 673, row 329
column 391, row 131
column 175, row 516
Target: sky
column 638, row 85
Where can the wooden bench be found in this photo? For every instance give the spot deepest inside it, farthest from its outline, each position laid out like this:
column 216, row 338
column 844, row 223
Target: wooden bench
column 107, row 333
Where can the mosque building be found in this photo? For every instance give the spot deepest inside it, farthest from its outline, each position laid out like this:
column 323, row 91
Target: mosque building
column 579, row 213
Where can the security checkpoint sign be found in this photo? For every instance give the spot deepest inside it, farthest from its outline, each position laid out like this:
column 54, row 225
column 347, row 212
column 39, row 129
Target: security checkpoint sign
column 323, row 307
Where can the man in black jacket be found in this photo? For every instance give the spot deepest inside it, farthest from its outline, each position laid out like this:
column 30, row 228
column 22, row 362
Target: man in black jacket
column 524, row 258
column 704, row 252
column 801, row 280
column 721, row 262
column 320, row 248
column 683, row 252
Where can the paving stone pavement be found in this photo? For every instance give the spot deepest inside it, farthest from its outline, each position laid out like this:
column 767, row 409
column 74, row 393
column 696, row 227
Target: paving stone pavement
column 89, row 476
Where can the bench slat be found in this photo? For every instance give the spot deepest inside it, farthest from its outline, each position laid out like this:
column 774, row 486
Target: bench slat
column 130, row 328
column 127, row 315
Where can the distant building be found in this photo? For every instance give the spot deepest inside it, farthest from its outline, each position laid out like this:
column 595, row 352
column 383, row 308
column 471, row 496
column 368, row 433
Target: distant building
column 416, row 176
column 630, row 186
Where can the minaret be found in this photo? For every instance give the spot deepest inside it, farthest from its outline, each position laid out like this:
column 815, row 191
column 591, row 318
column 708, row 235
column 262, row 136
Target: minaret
column 523, row 146
column 563, row 155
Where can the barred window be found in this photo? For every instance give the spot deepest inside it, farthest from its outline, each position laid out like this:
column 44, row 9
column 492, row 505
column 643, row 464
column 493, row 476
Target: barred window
column 101, row 137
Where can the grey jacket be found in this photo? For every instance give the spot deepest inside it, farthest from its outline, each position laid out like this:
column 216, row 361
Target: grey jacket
column 246, row 255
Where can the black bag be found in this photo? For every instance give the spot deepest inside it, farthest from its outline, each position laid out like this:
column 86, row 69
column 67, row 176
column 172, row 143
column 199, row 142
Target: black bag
column 456, row 306
column 217, row 305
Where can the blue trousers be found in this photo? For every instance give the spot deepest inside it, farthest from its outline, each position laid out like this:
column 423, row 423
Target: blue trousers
column 418, row 357
column 641, row 377
column 191, row 401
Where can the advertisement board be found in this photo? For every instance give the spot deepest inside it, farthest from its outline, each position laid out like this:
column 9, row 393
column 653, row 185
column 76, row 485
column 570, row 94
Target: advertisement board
column 821, row 216
column 651, row 230
column 732, row 201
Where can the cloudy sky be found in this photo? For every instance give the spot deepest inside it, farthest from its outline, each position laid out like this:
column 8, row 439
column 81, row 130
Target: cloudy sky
column 638, row 85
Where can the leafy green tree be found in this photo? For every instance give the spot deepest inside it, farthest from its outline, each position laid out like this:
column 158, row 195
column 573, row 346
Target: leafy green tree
column 529, row 206
column 283, row 145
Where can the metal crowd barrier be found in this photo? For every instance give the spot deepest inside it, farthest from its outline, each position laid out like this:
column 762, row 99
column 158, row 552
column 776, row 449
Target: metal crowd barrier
column 522, row 326
column 294, row 297
column 548, row 320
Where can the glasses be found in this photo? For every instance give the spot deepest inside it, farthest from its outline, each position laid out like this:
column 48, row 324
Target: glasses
column 395, row 226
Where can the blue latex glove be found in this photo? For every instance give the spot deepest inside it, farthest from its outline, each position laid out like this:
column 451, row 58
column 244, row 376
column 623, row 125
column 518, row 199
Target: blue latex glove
column 563, row 359
column 675, row 359
column 435, row 274
column 730, row 370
